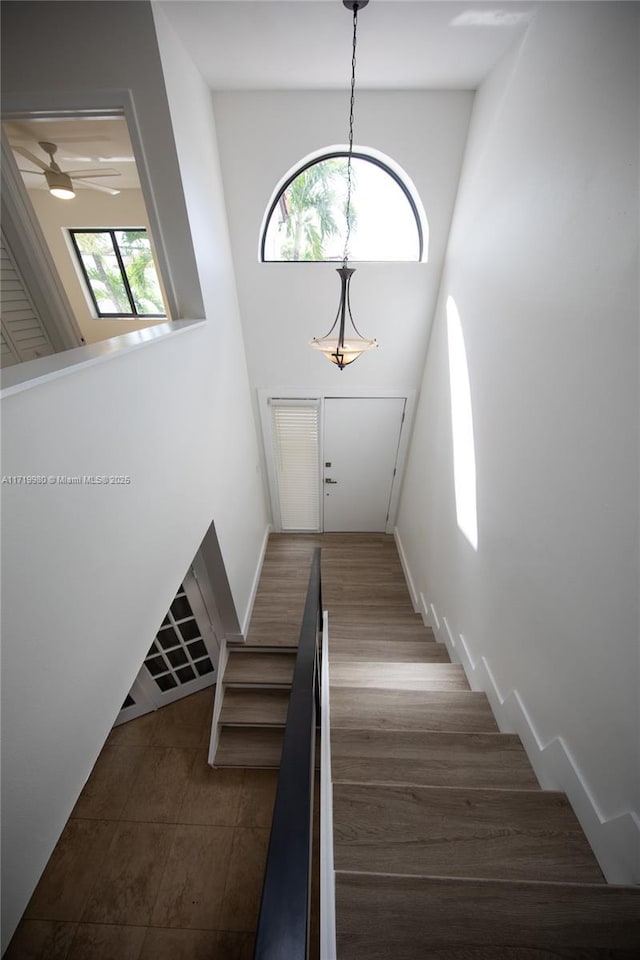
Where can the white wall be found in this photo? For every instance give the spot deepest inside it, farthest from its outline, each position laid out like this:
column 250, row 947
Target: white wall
column 542, row 264
column 88, row 209
column 89, row 571
column 262, row 135
column 237, row 488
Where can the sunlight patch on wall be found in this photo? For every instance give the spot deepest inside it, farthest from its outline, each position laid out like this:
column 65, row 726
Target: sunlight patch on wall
column 464, row 456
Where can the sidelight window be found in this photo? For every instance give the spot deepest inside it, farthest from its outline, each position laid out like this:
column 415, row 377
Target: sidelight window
column 295, row 431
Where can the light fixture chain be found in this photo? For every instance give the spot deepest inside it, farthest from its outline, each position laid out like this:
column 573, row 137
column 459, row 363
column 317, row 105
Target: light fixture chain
column 345, row 257
column 343, row 350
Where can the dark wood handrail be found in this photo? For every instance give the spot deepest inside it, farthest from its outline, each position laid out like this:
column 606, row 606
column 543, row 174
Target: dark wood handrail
column 283, row 924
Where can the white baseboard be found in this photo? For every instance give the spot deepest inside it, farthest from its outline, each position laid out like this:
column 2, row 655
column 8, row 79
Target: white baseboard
column 405, row 569
column 254, row 586
column 425, row 611
column 615, row 840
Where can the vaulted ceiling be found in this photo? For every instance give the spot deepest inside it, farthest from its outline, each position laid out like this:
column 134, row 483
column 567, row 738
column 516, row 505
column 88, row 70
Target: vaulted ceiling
column 405, row 44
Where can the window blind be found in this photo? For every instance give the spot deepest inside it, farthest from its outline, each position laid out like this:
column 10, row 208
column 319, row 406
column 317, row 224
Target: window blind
column 23, row 334
column 296, row 450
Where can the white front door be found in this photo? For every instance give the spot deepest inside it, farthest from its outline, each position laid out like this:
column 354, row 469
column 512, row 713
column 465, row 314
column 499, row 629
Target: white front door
column 361, row 439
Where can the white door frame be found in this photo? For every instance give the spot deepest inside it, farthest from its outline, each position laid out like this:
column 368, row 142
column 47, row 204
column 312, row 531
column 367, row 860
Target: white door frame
column 288, row 393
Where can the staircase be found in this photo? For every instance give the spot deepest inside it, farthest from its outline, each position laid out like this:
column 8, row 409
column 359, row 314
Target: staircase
column 445, row 847
column 252, row 694
column 444, row 844
column 254, row 709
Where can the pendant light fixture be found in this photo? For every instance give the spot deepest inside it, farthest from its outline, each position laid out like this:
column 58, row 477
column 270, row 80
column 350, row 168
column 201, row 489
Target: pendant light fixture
column 346, row 347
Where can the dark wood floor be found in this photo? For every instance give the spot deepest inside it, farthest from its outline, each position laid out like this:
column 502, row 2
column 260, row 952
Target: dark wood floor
column 162, row 857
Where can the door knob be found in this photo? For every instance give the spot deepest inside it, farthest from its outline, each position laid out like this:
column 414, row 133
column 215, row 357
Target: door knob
column 329, row 480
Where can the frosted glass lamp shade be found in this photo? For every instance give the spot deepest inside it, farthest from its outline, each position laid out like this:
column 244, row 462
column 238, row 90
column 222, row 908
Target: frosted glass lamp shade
column 342, row 354
column 59, row 184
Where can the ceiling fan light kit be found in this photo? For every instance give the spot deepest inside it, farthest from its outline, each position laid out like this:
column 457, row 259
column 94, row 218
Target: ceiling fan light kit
column 59, row 184
column 344, row 349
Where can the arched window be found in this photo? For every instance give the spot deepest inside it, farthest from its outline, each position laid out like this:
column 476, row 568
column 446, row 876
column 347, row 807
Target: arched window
column 305, row 219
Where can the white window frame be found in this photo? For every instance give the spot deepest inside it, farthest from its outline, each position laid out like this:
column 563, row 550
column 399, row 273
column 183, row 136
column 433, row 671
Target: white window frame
column 382, row 160
column 85, row 281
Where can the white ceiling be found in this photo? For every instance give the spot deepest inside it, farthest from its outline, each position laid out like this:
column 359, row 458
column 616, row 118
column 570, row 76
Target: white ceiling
column 306, row 44
column 95, row 143
column 296, row 45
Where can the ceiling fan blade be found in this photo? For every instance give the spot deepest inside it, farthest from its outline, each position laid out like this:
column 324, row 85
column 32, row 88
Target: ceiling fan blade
column 30, row 156
column 98, row 186
column 81, row 174
column 95, row 138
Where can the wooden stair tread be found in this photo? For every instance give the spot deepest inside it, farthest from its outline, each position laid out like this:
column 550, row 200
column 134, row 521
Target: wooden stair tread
column 259, row 668
column 397, row 651
column 431, row 759
column 471, row 832
column 398, row 676
column 249, row 747
column 275, row 633
column 254, row 707
column 259, row 747
column 455, row 711
column 346, row 628
column 473, row 952
column 409, row 918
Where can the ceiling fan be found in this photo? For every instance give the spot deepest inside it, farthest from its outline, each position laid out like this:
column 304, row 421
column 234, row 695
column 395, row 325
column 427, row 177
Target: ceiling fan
column 60, row 182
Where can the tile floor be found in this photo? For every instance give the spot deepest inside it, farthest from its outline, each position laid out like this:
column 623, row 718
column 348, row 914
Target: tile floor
column 162, row 857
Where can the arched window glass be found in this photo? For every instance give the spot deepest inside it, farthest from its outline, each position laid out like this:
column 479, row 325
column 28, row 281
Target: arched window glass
column 306, row 219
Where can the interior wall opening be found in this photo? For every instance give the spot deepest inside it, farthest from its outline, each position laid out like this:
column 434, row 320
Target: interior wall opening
column 69, row 172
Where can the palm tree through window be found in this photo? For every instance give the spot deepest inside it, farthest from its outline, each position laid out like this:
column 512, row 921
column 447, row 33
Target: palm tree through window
column 119, row 271
column 307, row 216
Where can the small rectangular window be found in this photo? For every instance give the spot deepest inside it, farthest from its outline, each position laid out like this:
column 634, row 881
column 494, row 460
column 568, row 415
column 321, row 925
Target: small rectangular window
column 119, row 272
